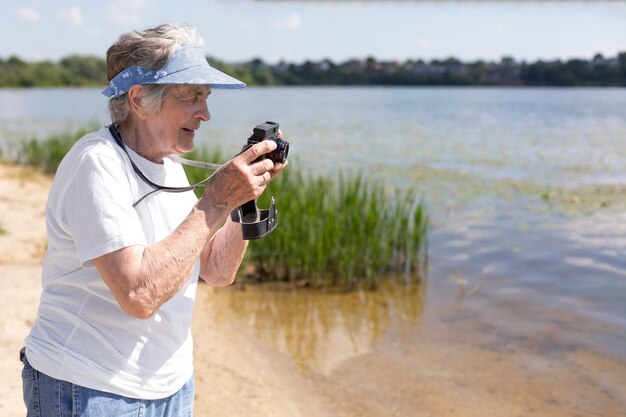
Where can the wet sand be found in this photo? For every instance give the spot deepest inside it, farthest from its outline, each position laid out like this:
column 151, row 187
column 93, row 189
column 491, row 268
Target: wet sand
column 445, row 352
column 470, row 340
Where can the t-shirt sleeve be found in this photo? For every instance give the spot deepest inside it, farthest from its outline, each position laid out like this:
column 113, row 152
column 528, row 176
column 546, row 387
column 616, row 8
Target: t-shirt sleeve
column 99, row 208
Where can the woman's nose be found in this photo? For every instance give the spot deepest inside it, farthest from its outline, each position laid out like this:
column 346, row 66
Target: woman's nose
column 203, row 113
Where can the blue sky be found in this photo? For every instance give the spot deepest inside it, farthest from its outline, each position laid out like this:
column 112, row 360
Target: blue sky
column 239, row 30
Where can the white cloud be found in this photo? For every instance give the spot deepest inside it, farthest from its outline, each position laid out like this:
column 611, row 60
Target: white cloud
column 423, row 43
column 291, row 22
column 72, row 15
column 128, row 11
column 499, row 28
column 28, row 14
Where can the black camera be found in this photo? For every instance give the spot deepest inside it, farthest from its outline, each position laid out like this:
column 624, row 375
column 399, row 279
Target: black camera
column 269, row 130
column 257, row 223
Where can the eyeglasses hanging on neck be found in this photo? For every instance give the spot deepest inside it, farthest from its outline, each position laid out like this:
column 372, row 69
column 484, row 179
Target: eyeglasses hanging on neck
column 115, row 132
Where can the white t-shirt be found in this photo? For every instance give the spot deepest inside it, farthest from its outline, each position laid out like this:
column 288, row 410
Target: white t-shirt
column 81, row 334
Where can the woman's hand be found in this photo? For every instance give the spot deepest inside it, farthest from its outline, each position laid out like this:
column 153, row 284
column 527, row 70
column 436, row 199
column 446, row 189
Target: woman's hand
column 241, row 179
column 236, row 183
column 143, row 278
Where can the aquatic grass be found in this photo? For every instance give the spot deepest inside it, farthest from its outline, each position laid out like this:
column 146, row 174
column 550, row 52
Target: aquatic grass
column 46, row 155
column 344, row 232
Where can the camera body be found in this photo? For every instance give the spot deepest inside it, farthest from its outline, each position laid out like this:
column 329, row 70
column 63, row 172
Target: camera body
column 257, row 223
column 269, row 131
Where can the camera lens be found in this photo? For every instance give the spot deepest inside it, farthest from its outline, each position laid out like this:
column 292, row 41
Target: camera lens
column 282, row 150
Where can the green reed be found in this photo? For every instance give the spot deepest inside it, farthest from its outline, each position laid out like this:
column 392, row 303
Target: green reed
column 343, row 232
column 46, row 155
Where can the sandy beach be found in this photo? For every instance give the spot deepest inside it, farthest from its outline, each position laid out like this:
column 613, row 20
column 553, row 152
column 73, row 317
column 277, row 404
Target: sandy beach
column 234, row 376
column 22, row 243
column 485, row 352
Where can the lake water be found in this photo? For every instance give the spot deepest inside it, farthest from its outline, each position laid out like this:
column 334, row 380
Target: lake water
column 523, row 310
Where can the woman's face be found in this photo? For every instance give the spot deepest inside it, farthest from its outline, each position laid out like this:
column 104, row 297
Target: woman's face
column 172, row 129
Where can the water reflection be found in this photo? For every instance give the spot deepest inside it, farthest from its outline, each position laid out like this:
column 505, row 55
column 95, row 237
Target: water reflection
column 320, row 330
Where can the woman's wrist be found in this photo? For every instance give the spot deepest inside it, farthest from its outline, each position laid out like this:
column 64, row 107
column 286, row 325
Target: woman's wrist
column 215, row 211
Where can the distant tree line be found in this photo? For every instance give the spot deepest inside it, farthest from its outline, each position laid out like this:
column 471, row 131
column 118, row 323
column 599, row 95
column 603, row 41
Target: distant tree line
column 73, row 70
column 78, row 70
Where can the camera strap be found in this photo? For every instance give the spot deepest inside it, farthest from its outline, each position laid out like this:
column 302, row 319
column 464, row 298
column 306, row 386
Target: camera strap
column 117, row 136
column 255, row 223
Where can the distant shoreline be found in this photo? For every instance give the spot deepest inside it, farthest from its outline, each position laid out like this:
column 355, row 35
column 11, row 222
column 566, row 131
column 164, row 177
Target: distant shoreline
column 599, row 71
column 477, row 87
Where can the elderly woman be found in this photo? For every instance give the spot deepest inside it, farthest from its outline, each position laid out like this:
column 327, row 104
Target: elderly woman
column 124, row 252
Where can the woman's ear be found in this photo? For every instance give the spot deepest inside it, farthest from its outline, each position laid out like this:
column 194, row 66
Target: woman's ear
column 135, row 94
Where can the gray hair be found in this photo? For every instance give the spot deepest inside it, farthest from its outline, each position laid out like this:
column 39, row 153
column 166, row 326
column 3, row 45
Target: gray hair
column 150, row 48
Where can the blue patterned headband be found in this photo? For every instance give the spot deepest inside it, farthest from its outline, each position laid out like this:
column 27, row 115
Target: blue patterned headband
column 187, row 65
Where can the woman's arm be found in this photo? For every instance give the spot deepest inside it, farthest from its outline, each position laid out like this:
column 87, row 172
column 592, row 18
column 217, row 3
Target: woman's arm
column 144, row 278
column 222, row 255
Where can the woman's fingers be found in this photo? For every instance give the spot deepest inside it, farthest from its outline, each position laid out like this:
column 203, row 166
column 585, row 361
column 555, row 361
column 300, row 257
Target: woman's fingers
column 259, row 168
column 253, row 152
column 277, row 169
column 267, row 177
column 242, row 179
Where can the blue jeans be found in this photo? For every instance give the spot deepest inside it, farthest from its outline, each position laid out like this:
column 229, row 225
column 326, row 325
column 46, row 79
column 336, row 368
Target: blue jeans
column 48, row 397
